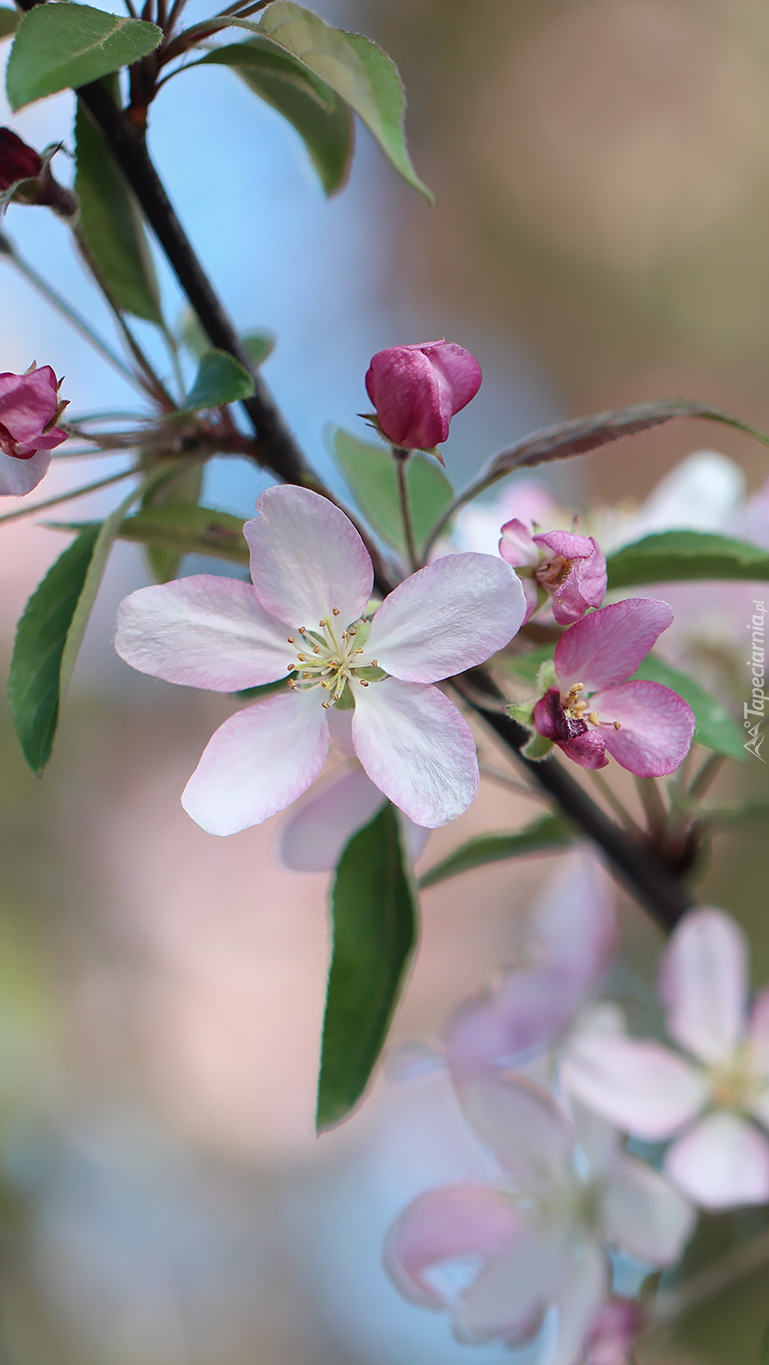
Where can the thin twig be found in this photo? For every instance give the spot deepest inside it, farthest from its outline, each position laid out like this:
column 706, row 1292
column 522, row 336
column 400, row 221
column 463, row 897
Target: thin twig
column 29, row 509
column 743, row 1260
column 402, row 458
column 706, row 776
column 610, row 797
column 654, row 808
column 505, row 780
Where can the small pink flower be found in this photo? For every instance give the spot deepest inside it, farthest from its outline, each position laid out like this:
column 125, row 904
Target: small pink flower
column 569, row 568
column 614, row 1332
column 571, row 943
column 305, row 616
column 17, row 160
column 593, row 710
column 416, row 391
column 709, row 1103
column 29, row 407
column 565, row 1189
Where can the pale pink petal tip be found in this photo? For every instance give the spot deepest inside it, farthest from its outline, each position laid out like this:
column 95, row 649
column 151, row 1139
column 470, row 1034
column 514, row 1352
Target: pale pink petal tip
column 722, row 1163
column 704, row 984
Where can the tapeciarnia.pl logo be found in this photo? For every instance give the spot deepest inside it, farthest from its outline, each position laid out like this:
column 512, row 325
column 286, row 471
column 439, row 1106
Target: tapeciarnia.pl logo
column 754, row 710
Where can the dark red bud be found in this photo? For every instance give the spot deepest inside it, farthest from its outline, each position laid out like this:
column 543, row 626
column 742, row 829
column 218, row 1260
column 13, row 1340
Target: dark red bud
column 17, row 160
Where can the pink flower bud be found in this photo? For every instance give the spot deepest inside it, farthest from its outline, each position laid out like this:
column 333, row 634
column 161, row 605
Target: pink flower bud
column 30, row 407
column 17, row 160
column 416, row 391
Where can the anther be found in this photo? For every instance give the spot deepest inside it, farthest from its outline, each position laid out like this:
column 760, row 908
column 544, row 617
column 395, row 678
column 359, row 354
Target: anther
column 325, row 684
column 363, row 682
column 578, row 687
column 301, row 658
column 325, row 705
column 302, row 630
column 359, row 650
column 593, row 717
column 316, row 649
column 292, row 640
column 307, row 675
column 374, row 663
column 323, row 621
column 617, row 725
column 336, row 611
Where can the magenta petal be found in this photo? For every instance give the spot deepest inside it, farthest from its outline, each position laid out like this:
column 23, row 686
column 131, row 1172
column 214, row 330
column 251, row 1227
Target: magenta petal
column 606, row 647
column 566, row 543
column 28, row 404
column 588, row 750
column 202, row 631
column 551, row 720
column 449, row 616
column 656, row 731
column 442, row 1225
column 307, row 558
column 460, row 369
column 18, row 477
column 413, row 402
column 517, row 546
column 584, row 586
column 417, row 748
column 258, row 762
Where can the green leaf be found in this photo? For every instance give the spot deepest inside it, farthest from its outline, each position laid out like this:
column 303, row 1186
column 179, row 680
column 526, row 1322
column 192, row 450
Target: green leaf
column 527, row 664
column 550, row 831
column 220, row 379
column 9, row 21
column 259, row 346
column 716, row 729
column 673, row 556
column 321, row 118
column 112, row 224
column 182, row 528
column 69, row 45
column 356, row 69
column 185, row 491
column 374, row 909
column 373, row 481
column 583, row 434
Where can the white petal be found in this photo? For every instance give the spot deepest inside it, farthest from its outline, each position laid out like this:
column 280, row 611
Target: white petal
column 759, row 1030
column 18, row 477
column 644, row 1213
column 451, row 615
column 315, row 836
column 508, row 1297
column 203, row 631
column 417, row 748
column 584, row 1286
column 643, row 1087
column 701, row 493
column 723, row 1163
column 258, row 762
column 307, row 558
column 525, row 1127
column 703, row 982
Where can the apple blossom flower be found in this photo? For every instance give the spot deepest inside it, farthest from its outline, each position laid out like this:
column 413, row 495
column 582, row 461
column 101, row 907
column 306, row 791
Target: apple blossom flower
column 17, row 160
column 305, row 616
column 416, row 391
column 29, row 409
column 571, row 941
column 616, row 1328
column 708, row 1101
column 569, row 568
column 592, row 710
column 565, row 1190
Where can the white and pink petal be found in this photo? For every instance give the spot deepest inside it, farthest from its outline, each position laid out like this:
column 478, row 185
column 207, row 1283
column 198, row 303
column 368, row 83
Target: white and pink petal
column 723, row 1163
column 703, row 982
column 608, row 646
column 641, row 1086
column 645, row 1215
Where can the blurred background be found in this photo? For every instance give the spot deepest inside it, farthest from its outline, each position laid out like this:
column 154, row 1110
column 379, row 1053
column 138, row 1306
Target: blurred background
column 601, row 170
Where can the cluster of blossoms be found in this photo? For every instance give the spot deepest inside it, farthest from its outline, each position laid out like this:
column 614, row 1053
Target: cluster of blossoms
column 550, row 1084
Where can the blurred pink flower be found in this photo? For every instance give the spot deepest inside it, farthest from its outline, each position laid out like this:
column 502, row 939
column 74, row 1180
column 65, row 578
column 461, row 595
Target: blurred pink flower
column 569, row 568
column 314, row 838
column 573, row 939
column 646, row 727
column 721, row 1158
column 616, row 1328
column 566, row 1189
column 416, row 391
column 313, row 576
column 29, row 408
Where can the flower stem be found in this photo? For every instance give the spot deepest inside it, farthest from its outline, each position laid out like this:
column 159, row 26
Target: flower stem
column 654, row 808
column 611, row 799
column 715, row 1278
column 402, row 458
column 8, row 250
column 706, row 775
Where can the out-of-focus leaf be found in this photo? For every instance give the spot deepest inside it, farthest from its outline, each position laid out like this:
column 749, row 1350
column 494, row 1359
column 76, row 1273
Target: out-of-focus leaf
column 322, row 119
column 185, row 491
column 370, row 472
column 583, row 434
column 550, row 831
column 673, row 556
column 111, row 222
column 374, row 909
column 526, row 665
column 220, row 379
column 716, row 729
column 9, row 21
column 34, row 682
column 65, row 44
column 185, row 529
column 259, row 346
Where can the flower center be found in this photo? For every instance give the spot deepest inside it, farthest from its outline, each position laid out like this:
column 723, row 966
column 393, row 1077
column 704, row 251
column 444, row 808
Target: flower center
column 736, row 1083
column 553, row 572
column 327, row 658
column 577, row 707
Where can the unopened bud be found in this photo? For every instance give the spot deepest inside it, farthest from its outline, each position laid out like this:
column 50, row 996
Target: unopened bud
column 416, row 391
column 17, row 160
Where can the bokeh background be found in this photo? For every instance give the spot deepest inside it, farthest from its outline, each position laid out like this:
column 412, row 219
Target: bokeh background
column 600, row 237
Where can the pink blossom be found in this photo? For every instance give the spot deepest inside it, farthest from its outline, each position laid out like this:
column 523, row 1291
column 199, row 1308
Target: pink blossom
column 572, row 939
column 712, row 1096
column 416, row 391
column 306, row 616
column 316, row 835
column 593, row 711
column 616, row 1328
column 565, row 1190
column 569, row 568
column 29, row 408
